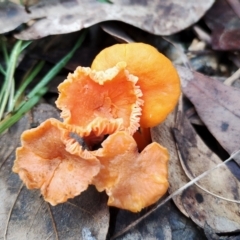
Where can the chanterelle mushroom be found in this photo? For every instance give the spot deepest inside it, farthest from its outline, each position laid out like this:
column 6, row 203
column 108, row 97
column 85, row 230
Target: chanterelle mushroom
column 129, row 86
column 158, row 79
column 44, row 162
column 132, row 181
column 100, row 102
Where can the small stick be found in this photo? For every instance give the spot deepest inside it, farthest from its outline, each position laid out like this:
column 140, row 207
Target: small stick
column 229, row 81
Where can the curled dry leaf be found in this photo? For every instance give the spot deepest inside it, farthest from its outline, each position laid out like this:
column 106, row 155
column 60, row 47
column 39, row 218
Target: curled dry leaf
column 217, row 106
column 25, row 215
column 56, row 17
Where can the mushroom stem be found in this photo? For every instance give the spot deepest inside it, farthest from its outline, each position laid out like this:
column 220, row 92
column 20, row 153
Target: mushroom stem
column 142, row 138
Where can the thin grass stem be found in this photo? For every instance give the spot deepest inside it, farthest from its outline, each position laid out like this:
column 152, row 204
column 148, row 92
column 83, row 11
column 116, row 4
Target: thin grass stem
column 27, row 81
column 8, row 82
column 2, row 70
column 11, row 97
column 13, row 118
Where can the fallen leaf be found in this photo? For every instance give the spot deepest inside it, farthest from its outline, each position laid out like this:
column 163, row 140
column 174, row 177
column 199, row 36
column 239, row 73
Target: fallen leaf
column 165, row 223
column 203, row 207
column 25, row 215
column 225, row 29
column 12, row 14
column 56, row 17
column 217, row 105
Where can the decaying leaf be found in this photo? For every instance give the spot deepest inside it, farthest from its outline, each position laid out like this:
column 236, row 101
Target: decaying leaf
column 203, row 207
column 225, row 29
column 165, row 223
column 217, row 106
column 25, row 215
column 56, row 17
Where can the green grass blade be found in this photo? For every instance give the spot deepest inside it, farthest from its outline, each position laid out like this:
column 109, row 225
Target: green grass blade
column 27, row 81
column 4, row 49
column 11, row 97
column 54, row 71
column 2, row 70
column 105, row 1
column 9, row 121
column 8, row 82
column 25, row 45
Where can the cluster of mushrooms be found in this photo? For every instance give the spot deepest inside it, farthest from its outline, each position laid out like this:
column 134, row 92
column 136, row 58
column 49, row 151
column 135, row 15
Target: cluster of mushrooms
column 128, row 89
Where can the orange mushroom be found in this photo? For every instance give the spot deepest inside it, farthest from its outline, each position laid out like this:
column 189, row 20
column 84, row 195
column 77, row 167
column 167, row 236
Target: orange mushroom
column 48, row 161
column 158, row 79
column 131, row 86
column 100, row 102
column 131, row 180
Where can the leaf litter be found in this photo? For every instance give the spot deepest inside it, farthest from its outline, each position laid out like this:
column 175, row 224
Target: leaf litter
column 217, row 106
column 219, row 185
column 187, row 196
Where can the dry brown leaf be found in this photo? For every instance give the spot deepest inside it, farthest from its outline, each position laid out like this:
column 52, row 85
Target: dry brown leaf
column 217, row 105
column 165, row 223
column 196, row 158
column 56, row 17
column 25, row 215
column 202, row 207
column 205, row 209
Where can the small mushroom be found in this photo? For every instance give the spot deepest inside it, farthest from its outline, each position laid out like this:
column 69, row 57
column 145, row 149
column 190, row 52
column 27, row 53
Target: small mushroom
column 100, row 102
column 132, row 87
column 158, row 79
column 47, row 161
column 132, row 181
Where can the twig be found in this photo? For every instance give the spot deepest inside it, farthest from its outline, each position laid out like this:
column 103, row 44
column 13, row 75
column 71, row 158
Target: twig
column 229, row 81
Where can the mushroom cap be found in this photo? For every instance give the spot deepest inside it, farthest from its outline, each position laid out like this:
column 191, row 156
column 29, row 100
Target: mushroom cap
column 100, row 102
column 158, row 79
column 45, row 162
column 131, row 180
